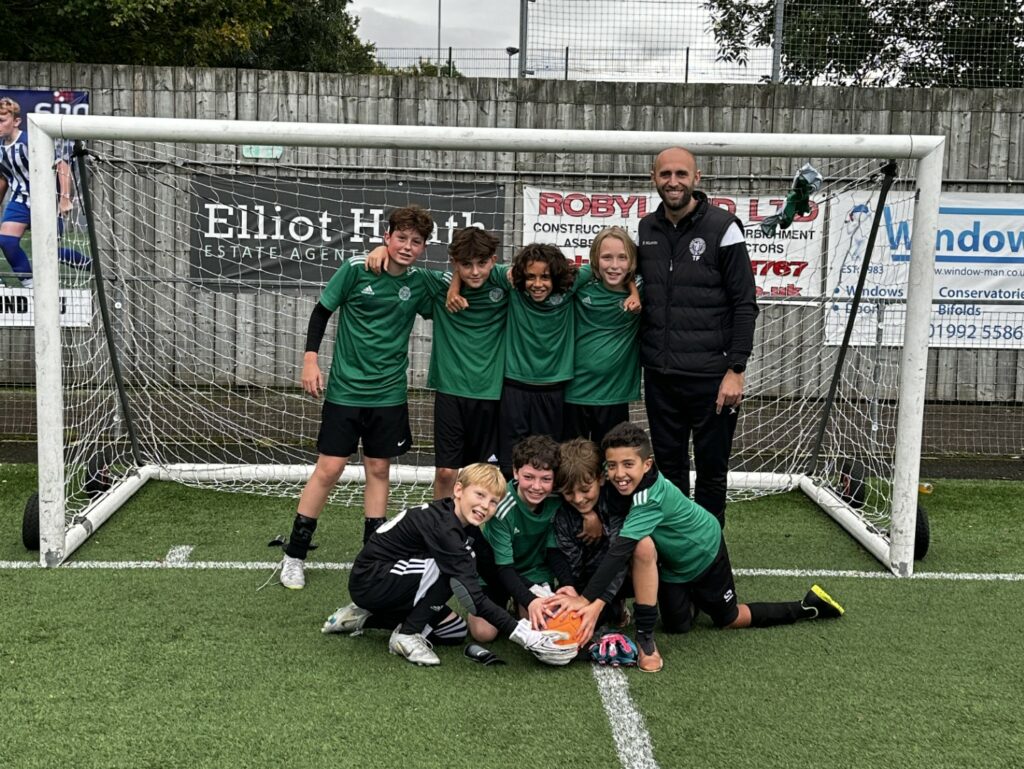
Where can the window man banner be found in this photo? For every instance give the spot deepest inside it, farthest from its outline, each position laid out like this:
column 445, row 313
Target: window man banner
column 978, row 300
column 787, row 264
column 248, row 231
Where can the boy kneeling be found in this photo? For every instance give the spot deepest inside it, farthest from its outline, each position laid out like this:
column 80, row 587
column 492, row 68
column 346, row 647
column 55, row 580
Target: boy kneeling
column 413, row 564
column 691, row 569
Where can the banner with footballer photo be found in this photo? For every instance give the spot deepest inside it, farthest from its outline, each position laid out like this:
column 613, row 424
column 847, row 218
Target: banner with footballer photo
column 16, row 303
column 786, row 265
column 59, row 101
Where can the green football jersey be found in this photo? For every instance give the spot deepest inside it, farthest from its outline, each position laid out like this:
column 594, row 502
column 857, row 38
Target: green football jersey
column 541, row 342
column 686, row 535
column 371, row 345
column 519, row 536
column 468, row 354
column 607, row 358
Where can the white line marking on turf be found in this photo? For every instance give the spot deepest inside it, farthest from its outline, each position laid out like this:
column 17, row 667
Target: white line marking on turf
column 632, row 742
column 179, row 555
column 187, row 565
column 944, row 576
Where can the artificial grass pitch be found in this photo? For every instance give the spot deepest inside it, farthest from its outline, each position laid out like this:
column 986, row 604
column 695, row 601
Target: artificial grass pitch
column 195, row 668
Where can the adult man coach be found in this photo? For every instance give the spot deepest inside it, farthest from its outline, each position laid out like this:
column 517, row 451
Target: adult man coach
column 697, row 328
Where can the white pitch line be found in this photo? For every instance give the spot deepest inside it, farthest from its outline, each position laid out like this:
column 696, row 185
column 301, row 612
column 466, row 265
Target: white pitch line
column 179, row 555
column 943, row 576
column 186, row 565
column 632, row 742
column 168, row 563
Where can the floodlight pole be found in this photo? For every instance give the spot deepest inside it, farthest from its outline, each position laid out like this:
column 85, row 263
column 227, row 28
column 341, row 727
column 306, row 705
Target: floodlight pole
column 524, row 15
column 777, row 42
column 511, row 51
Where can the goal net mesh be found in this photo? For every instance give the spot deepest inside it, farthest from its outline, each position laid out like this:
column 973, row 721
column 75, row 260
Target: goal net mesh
column 213, row 257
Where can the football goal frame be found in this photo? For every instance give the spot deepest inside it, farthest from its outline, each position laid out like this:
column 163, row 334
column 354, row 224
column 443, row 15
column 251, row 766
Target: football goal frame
column 59, row 537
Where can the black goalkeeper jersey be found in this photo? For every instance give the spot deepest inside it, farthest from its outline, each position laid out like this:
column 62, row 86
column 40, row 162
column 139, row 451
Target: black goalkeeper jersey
column 433, row 531
column 578, row 561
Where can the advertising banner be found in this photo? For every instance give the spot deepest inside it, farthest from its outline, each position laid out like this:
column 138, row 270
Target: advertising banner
column 246, row 231
column 786, row 264
column 17, row 309
column 978, row 298
column 15, row 303
column 61, row 101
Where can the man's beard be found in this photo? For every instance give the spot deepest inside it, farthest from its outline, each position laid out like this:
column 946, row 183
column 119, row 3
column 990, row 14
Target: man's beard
column 684, row 200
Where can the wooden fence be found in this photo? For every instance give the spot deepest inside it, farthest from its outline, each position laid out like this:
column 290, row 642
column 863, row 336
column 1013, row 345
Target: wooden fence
column 984, row 153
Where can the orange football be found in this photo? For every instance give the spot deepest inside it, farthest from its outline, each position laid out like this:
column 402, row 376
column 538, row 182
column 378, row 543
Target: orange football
column 567, row 622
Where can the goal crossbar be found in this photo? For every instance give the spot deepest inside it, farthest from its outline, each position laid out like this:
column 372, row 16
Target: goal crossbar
column 88, row 127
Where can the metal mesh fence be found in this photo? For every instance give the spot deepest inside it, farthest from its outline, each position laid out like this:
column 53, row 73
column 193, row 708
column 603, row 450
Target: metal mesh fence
column 926, row 43
column 955, row 43
column 454, row 62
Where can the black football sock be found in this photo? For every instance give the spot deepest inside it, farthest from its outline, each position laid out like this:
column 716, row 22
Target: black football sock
column 381, row 622
column 446, row 628
column 646, row 615
column 371, row 525
column 771, row 614
column 302, row 535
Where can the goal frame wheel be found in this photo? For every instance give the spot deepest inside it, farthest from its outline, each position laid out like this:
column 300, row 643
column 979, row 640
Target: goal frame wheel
column 30, row 523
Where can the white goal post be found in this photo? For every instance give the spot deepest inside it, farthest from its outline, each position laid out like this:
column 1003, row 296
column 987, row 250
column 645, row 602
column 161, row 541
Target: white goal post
column 62, row 532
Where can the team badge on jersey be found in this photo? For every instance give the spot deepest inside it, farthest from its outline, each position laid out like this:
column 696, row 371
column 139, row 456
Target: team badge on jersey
column 496, row 294
column 697, row 247
column 404, row 293
column 555, row 300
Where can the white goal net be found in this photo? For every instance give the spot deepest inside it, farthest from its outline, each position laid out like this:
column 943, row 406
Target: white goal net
column 213, row 241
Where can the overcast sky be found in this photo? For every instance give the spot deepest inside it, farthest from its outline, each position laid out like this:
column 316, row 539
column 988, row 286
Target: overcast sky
column 413, row 23
column 610, row 40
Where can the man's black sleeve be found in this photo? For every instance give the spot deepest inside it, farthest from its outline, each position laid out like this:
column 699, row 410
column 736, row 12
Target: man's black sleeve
column 739, row 285
column 614, row 562
column 317, row 327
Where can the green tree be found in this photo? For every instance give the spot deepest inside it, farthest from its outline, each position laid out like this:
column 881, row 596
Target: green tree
column 967, row 43
column 317, row 36
column 308, row 35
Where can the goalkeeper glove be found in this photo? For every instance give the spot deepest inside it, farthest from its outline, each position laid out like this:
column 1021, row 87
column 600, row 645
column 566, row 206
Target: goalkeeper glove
column 614, row 649
column 541, row 590
column 541, row 644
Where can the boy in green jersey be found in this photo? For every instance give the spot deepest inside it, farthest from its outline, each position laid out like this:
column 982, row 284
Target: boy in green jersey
column 539, row 348
column 366, row 393
column 467, row 356
column 540, row 345
column 692, row 570
column 518, row 536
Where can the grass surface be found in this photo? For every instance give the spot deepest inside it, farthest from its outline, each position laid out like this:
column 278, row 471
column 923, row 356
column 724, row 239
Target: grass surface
column 188, row 668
